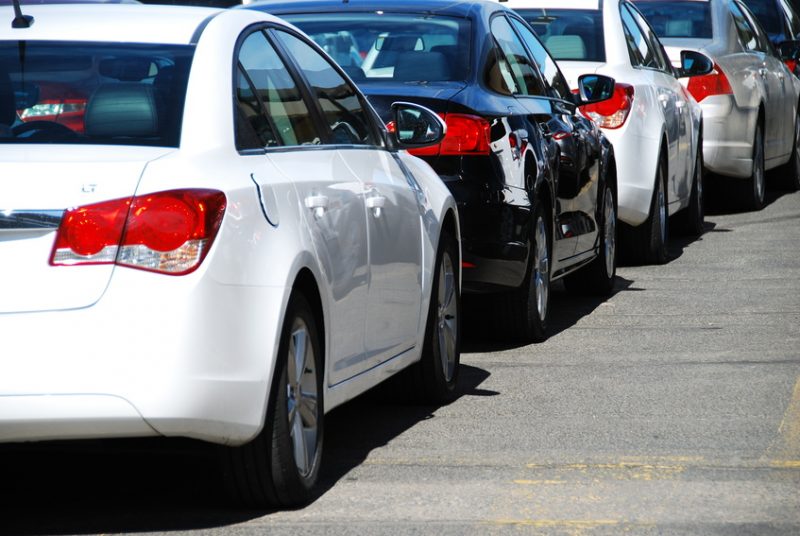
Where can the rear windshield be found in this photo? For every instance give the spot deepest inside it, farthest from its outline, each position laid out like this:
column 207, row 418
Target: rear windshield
column 767, row 13
column 569, row 34
column 92, row 93
column 678, row 18
column 392, row 46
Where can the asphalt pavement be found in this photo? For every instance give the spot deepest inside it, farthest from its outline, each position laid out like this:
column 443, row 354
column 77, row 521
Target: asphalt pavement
column 672, row 407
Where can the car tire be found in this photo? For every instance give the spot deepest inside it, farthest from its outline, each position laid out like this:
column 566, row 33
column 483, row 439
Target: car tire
column 435, row 376
column 280, row 467
column 521, row 315
column 754, row 188
column 693, row 217
column 597, row 278
column 647, row 243
column 790, row 172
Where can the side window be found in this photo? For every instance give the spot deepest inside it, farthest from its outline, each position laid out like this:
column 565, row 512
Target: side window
column 344, row 112
column 747, row 34
column 552, row 75
column 270, row 110
column 764, row 44
column 639, row 48
column 660, row 59
column 525, row 77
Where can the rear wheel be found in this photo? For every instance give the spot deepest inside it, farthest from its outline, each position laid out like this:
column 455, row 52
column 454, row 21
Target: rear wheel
column 754, row 189
column 598, row 277
column 522, row 315
column 281, row 465
column 647, row 243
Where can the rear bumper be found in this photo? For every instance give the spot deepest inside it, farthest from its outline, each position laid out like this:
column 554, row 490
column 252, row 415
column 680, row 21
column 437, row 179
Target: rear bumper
column 155, row 356
column 728, row 133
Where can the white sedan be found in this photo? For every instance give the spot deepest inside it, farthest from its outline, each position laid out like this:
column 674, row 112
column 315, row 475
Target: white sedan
column 207, row 232
column 654, row 125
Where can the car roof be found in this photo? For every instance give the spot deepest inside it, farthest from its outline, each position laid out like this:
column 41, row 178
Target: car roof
column 554, row 4
column 463, row 8
column 124, row 23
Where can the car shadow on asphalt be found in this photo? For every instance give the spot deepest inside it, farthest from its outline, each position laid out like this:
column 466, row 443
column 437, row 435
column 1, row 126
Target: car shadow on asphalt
column 566, row 310
column 159, row 485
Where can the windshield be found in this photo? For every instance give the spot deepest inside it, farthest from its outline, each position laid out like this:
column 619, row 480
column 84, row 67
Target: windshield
column 569, row 34
column 678, row 18
column 92, row 93
column 392, row 46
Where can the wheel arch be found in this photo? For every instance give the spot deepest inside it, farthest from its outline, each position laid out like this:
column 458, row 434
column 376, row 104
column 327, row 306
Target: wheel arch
column 306, row 284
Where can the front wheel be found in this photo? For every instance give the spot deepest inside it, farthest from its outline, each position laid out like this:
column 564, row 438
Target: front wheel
column 436, row 374
column 754, row 188
column 280, row 467
column 521, row 315
column 791, row 171
column 597, row 277
column 693, row 217
column 647, row 243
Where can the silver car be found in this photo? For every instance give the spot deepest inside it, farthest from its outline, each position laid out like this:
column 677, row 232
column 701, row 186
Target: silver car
column 749, row 100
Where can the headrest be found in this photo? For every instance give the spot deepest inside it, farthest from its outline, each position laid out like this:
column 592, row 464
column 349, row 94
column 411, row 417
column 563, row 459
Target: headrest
column 566, row 46
column 122, row 110
column 412, row 66
column 8, row 103
column 400, row 43
column 678, row 28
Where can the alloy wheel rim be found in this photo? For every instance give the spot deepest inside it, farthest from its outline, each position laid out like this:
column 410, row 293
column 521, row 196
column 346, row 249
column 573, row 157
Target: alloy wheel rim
column 301, row 398
column 609, row 217
column 541, row 264
column 797, row 150
column 447, row 317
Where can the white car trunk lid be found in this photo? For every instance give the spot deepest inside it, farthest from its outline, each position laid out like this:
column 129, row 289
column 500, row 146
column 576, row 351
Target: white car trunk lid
column 37, row 184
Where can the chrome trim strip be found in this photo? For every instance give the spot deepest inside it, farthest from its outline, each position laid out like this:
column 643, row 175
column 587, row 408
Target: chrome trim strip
column 29, row 220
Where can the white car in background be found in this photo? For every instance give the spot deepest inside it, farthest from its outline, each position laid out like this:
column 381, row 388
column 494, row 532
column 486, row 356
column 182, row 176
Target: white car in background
column 750, row 100
column 653, row 124
column 223, row 242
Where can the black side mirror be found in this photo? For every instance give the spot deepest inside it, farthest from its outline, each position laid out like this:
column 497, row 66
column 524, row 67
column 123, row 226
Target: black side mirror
column 694, row 64
column 414, row 126
column 594, row 88
column 789, row 50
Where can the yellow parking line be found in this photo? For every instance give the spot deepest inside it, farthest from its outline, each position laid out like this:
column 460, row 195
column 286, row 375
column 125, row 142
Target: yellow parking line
column 785, row 450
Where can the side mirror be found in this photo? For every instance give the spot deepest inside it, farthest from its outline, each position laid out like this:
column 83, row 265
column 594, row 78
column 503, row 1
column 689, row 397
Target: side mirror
column 789, row 50
column 694, row 64
column 414, row 126
column 594, row 88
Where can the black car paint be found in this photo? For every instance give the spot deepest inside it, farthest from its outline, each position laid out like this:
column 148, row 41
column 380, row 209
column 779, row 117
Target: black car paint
column 565, row 160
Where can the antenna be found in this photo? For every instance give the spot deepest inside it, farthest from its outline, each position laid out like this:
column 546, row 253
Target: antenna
column 20, row 20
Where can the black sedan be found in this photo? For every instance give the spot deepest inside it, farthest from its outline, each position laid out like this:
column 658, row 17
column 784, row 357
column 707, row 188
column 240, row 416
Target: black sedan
column 535, row 181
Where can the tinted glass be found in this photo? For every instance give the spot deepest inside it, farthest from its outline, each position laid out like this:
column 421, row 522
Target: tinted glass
column 768, row 14
column 393, row 46
column 338, row 100
column 546, row 64
column 526, row 78
column 640, row 50
column 659, row 60
column 270, row 109
column 569, row 34
column 747, row 34
column 84, row 93
column 678, row 18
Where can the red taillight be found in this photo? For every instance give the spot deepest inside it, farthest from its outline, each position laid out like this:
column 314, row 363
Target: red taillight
column 466, row 135
column 713, row 83
column 168, row 232
column 792, row 65
column 613, row 112
column 68, row 112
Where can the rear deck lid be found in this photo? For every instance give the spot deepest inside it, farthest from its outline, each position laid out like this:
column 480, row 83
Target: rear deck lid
column 37, row 184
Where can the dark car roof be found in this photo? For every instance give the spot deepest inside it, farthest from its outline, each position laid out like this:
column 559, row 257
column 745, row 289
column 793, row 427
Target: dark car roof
column 463, row 8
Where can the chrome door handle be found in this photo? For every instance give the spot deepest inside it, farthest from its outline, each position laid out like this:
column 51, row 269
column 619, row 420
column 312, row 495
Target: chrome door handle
column 318, row 204
column 376, row 204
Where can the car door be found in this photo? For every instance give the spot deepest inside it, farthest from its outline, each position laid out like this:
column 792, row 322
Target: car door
column 652, row 64
column 579, row 182
column 393, row 219
column 518, row 73
column 275, row 119
column 769, row 76
column 671, row 90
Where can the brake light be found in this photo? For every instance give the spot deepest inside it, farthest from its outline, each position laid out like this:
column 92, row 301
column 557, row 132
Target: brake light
column 611, row 113
column 68, row 112
column 168, row 232
column 466, row 135
column 713, row 83
column 792, row 65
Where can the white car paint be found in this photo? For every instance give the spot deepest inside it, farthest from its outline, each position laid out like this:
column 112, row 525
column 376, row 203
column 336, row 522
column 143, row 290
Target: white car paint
column 662, row 113
column 108, row 351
